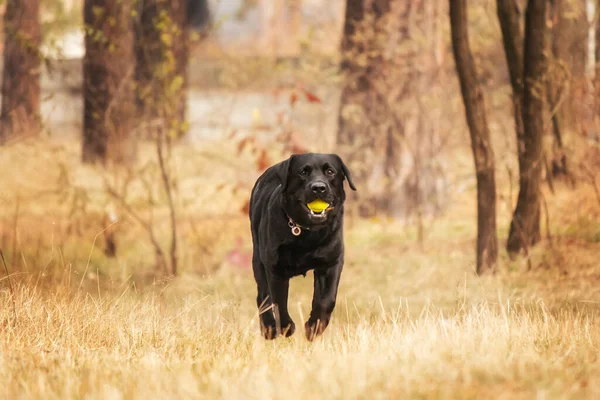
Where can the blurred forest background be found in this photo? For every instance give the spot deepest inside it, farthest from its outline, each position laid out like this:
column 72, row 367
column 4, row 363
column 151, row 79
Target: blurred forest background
column 131, row 133
column 142, row 125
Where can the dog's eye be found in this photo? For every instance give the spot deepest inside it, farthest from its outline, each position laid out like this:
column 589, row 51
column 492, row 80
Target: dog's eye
column 303, row 172
column 330, row 172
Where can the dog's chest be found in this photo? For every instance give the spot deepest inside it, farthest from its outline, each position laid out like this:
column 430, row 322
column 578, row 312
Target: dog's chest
column 297, row 259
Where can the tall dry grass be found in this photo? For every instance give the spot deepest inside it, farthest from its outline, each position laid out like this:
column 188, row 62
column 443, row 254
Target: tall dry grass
column 64, row 346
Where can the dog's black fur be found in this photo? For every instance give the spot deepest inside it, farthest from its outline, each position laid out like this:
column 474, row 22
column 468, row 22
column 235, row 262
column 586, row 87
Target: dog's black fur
column 279, row 196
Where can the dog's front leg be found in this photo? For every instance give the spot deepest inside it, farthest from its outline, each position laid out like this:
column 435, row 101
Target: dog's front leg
column 327, row 281
column 279, row 288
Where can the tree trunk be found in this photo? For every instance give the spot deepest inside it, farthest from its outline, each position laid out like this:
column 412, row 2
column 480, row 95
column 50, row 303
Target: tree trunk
column 590, row 63
column 353, row 18
column 388, row 121
column 353, row 87
column 274, row 28
column 525, row 224
column 568, row 48
column 198, row 15
column 512, row 37
column 362, row 110
column 569, row 36
column 162, row 62
column 294, row 25
column 108, row 87
column 597, row 44
column 483, row 155
column 20, row 115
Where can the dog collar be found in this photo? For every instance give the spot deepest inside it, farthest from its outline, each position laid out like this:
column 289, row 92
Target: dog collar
column 296, row 229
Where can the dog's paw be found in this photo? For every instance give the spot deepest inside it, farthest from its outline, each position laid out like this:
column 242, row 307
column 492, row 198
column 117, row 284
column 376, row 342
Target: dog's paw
column 288, row 328
column 314, row 328
column 270, row 331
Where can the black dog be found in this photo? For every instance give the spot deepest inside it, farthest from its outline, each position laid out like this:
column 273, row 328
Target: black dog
column 289, row 239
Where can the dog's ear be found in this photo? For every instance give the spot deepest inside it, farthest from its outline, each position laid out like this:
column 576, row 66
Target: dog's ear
column 346, row 172
column 283, row 172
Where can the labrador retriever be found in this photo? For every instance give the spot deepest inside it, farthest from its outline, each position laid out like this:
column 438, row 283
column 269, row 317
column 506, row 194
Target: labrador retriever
column 290, row 237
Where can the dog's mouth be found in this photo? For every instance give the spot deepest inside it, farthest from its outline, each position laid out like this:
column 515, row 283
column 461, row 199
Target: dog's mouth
column 317, row 210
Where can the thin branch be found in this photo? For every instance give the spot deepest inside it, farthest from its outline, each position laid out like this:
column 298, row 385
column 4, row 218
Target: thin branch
column 549, row 178
column 167, row 185
column 148, row 227
column 592, row 179
column 547, row 218
column 87, row 265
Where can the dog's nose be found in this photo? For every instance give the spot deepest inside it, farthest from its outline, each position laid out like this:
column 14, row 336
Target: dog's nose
column 318, row 187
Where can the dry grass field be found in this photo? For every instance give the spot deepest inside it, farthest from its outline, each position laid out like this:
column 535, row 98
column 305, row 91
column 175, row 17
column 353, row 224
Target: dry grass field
column 412, row 320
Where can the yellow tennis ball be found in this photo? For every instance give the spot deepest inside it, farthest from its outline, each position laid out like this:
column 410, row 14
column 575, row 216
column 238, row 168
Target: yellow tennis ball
column 317, row 205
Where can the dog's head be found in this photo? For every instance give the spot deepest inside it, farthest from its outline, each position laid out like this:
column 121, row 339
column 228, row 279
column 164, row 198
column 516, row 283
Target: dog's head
column 309, row 177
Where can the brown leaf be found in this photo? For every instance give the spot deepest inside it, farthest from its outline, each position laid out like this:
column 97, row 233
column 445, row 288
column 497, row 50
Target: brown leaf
column 310, row 97
column 246, row 207
column 293, row 99
column 232, row 134
column 263, row 161
column 243, row 143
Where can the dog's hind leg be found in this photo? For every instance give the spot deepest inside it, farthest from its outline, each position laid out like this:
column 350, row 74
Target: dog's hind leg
column 264, row 301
